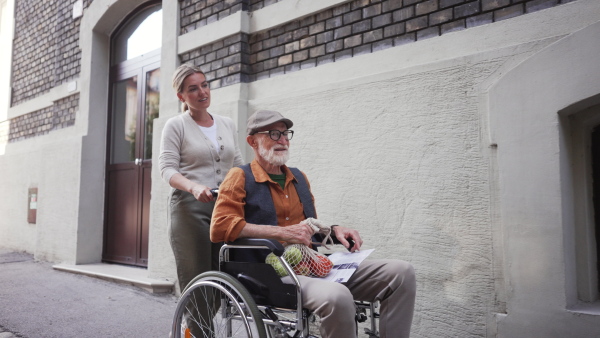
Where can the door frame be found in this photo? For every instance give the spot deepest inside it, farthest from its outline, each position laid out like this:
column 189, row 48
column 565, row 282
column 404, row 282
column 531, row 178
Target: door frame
column 139, row 66
column 99, row 21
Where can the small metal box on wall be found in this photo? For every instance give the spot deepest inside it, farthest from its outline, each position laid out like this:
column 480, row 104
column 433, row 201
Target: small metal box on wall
column 32, row 205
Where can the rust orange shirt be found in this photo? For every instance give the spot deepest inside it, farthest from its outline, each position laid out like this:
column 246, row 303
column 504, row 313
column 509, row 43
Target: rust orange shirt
column 228, row 216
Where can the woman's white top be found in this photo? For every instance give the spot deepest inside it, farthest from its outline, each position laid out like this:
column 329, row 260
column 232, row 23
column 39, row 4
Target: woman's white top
column 211, row 133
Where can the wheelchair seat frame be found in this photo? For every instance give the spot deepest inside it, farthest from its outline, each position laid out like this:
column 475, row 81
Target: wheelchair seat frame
column 253, row 300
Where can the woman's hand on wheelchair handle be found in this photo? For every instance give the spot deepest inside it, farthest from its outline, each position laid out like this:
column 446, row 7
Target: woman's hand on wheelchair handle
column 202, row 193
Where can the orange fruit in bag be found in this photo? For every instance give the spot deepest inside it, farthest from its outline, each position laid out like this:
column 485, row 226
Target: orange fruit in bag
column 322, row 266
column 302, row 269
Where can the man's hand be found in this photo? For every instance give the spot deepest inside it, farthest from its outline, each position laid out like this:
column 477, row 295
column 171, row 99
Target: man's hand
column 344, row 234
column 296, row 234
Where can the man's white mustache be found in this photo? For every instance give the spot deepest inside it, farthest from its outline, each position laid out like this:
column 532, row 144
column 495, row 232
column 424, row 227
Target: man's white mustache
column 272, row 156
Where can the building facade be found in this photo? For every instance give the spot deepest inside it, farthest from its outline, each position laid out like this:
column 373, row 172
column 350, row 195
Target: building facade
column 459, row 135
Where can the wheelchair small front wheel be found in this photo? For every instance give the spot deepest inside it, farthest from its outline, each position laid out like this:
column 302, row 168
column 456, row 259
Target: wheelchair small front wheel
column 214, row 304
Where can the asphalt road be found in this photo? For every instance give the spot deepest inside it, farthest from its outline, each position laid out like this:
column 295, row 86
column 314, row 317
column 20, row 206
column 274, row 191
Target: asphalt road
column 38, row 301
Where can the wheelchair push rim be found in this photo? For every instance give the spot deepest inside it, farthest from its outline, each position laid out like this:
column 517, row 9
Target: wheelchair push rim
column 214, row 304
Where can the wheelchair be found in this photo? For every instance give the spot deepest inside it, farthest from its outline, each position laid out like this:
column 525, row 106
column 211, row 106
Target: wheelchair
column 246, row 299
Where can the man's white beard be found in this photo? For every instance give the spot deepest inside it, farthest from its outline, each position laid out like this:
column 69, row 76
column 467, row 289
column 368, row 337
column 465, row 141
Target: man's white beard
column 272, row 156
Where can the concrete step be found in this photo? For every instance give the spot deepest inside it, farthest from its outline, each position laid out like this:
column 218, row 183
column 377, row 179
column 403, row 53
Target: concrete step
column 120, row 274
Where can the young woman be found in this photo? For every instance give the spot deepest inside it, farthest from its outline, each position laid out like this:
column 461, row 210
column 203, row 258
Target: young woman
column 197, row 151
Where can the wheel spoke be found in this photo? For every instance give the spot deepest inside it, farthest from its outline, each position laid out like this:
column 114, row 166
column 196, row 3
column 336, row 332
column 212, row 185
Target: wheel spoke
column 218, row 306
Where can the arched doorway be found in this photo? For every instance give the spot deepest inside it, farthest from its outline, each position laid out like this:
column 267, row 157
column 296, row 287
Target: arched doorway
column 134, row 102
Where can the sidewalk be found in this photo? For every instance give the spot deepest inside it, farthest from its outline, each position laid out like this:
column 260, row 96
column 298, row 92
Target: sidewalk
column 39, row 301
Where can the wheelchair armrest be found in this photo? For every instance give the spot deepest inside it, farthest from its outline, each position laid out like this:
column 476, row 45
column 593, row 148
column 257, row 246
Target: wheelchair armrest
column 271, row 244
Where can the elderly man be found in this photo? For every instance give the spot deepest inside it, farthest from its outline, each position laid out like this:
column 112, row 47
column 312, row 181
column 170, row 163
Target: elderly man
column 266, row 199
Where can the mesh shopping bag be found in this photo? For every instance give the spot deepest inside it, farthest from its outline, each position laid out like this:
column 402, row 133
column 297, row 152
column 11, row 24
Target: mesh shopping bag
column 304, row 260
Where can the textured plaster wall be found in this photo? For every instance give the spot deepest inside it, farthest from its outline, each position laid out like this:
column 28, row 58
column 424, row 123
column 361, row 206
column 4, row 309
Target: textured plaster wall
column 398, row 144
column 48, row 163
column 400, row 160
column 161, row 263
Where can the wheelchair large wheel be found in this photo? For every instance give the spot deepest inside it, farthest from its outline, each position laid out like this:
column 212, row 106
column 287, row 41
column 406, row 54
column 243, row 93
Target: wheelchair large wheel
column 214, row 304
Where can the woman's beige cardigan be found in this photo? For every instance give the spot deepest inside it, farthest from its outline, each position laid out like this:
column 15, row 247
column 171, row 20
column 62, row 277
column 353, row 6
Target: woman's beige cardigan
column 186, row 150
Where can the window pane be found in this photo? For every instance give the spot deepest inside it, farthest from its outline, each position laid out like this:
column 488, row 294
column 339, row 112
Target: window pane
column 152, row 103
column 140, row 35
column 147, row 37
column 124, row 123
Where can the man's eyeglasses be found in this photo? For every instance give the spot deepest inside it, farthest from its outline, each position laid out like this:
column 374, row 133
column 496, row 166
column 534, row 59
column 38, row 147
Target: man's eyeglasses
column 275, row 135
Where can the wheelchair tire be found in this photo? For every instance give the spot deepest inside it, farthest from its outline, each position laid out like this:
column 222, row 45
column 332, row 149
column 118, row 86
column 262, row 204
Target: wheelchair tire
column 200, row 309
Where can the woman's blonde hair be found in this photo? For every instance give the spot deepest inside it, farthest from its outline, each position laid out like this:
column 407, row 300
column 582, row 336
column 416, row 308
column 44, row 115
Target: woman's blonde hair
column 181, row 73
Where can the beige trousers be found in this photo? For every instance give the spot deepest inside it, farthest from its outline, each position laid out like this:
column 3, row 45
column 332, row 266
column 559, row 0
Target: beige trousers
column 391, row 282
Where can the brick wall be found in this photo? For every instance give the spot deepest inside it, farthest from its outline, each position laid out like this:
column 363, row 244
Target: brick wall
column 46, row 44
column 197, row 13
column 351, row 29
column 60, row 115
column 32, row 60
column 258, row 4
column 366, row 26
column 45, row 54
column 46, row 47
column 224, row 62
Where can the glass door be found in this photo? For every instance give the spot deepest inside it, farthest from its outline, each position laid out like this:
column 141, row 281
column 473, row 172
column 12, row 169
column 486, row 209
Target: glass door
column 135, row 89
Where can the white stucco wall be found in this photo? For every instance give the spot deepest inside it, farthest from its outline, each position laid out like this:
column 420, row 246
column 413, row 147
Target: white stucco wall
column 51, row 165
column 399, row 159
column 161, row 262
